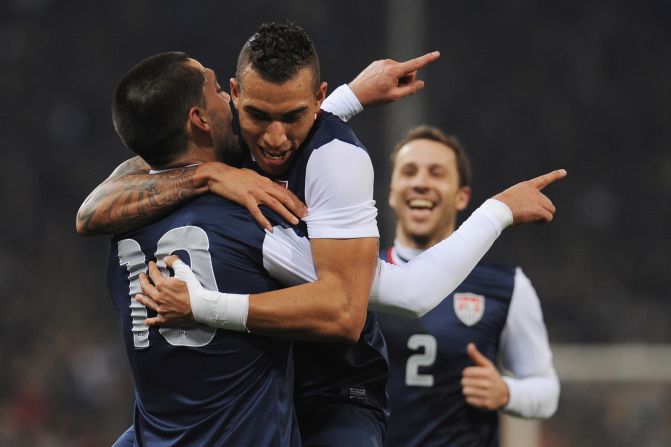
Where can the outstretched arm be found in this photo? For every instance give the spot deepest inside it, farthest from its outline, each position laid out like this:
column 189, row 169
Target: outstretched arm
column 413, row 289
column 131, row 197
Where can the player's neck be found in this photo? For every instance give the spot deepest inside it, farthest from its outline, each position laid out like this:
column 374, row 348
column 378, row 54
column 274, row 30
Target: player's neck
column 420, row 243
column 405, row 253
column 193, row 155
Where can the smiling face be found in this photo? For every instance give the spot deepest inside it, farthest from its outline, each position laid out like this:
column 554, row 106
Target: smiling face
column 275, row 118
column 425, row 193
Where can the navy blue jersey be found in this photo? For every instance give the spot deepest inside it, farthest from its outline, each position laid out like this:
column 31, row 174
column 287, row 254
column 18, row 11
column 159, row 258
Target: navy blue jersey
column 335, row 373
column 201, row 386
column 428, row 355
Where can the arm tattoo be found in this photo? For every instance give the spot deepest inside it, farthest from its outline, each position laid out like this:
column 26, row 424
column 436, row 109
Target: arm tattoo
column 131, row 198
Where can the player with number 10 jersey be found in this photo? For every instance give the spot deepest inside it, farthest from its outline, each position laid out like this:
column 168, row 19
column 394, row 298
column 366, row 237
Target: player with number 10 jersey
column 237, row 387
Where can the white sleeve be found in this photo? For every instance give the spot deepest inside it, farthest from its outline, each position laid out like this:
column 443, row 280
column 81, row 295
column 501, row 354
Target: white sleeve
column 288, row 257
column 413, row 289
column 339, row 193
column 343, row 103
column 525, row 352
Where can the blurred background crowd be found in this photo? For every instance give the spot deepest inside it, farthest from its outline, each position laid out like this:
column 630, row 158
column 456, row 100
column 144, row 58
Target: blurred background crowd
column 527, row 87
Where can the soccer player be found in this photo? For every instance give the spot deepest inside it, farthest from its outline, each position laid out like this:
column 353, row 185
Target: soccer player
column 195, row 385
column 444, row 386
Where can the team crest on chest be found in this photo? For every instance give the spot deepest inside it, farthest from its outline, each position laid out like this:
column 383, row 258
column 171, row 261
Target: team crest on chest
column 469, row 307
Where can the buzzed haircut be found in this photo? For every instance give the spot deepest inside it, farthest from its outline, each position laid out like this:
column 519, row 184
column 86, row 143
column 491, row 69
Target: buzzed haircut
column 426, row 132
column 152, row 103
column 277, row 52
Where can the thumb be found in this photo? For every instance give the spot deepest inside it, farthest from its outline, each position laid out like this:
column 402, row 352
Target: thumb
column 476, row 356
column 182, row 271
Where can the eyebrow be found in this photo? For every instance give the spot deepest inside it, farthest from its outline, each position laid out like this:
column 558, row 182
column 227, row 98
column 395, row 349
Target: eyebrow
column 290, row 113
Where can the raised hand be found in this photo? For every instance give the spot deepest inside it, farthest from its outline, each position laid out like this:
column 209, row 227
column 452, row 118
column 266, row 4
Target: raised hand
column 386, row 80
column 482, row 385
column 527, row 202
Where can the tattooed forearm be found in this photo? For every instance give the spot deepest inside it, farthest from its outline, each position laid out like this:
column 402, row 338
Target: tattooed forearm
column 131, row 198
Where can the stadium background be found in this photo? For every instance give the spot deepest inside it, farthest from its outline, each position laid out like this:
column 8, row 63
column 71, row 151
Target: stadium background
column 527, row 86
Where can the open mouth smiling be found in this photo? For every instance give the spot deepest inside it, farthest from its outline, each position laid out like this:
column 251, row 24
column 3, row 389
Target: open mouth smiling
column 274, row 155
column 421, row 204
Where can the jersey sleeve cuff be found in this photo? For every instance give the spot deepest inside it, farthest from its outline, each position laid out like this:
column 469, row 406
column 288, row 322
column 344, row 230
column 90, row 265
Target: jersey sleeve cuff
column 343, row 103
column 337, row 232
column 497, row 212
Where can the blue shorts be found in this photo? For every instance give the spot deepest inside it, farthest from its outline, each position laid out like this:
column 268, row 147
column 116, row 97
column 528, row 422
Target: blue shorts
column 127, row 439
column 341, row 425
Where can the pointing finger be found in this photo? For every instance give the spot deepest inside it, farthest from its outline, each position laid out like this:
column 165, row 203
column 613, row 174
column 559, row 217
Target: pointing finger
column 544, row 180
column 419, row 62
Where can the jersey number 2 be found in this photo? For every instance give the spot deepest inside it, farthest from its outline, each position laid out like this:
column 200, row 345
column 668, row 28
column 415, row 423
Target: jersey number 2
column 426, row 358
column 195, row 242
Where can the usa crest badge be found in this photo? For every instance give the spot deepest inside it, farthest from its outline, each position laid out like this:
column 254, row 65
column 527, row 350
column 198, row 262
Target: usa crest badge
column 469, row 307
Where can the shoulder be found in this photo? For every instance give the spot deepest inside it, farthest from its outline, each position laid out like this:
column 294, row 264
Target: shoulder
column 492, row 279
column 210, row 208
column 495, row 269
column 328, row 128
column 211, row 213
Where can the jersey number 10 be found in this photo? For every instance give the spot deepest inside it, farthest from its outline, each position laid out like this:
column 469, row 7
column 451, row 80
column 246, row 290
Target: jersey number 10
column 195, row 242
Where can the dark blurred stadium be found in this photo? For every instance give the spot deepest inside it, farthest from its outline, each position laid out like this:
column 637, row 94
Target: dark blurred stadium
column 527, row 86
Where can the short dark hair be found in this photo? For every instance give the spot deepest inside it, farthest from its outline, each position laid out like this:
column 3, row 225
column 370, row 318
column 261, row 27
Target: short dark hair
column 151, row 105
column 426, row 132
column 277, row 52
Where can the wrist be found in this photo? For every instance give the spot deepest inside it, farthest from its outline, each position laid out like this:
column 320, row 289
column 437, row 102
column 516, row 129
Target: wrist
column 220, row 310
column 497, row 211
column 358, row 93
column 507, row 385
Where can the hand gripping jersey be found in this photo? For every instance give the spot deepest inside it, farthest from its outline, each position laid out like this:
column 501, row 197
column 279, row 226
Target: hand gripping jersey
column 332, row 174
column 201, row 386
column 495, row 308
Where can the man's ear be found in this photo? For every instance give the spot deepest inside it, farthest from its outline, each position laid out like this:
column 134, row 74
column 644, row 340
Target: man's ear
column 321, row 93
column 235, row 91
column 198, row 119
column 463, row 197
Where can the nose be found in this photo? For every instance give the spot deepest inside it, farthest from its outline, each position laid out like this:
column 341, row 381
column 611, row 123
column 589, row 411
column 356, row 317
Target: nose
column 275, row 136
column 420, row 180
